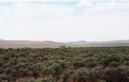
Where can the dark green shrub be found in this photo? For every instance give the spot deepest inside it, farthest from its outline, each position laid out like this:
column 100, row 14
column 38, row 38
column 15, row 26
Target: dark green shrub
column 114, row 64
column 125, row 71
column 62, row 46
column 85, row 75
column 77, row 62
column 126, row 63
column 30, row 80
column 90, row 61
column 54, row 68
column 1, row 62
column 3, row 77
column 46, row 80
column 106, row 59
column 121, row 74
column 66, row 75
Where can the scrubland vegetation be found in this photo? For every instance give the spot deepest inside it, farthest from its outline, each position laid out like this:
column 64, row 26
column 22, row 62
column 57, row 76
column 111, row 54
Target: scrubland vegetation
column 98, row 64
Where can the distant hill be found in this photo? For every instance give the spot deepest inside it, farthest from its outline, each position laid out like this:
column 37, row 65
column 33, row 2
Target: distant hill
column 110, row 43
column 31, row 44
column 51, row 44
column 100, row 43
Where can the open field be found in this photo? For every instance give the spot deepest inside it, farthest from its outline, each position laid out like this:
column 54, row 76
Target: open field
column 91, row 64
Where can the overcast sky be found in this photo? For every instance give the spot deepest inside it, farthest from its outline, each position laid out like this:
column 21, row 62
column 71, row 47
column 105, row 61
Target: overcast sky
column 64, row 20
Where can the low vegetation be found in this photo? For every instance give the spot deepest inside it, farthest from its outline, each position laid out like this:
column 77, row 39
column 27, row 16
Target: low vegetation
column 93, row 64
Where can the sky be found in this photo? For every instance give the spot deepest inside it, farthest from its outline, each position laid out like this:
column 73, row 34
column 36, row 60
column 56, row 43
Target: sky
column 64, row 20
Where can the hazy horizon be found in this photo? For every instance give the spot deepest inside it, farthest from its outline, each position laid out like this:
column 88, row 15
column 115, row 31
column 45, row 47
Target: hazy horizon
column 66, row 41
column 64, row 20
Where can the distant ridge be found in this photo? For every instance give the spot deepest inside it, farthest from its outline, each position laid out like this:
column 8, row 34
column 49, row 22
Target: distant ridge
column 31, row 44
column 51, row 44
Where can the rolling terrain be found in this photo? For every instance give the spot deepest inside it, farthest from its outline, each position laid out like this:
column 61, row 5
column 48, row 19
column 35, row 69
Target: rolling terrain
column 51, row 44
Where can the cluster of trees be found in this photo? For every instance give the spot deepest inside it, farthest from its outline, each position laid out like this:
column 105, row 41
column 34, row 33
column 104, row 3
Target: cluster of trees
column 103, row 64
